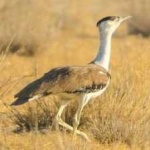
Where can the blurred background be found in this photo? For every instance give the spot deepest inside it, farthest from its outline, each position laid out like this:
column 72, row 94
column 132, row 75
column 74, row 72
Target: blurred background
column 30, row 24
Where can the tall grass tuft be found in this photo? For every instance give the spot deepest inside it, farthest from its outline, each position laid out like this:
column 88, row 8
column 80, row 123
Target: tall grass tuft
column 35, row 117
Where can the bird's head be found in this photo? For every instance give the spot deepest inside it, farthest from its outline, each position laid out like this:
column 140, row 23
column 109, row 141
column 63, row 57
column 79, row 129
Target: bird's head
column 109, row 24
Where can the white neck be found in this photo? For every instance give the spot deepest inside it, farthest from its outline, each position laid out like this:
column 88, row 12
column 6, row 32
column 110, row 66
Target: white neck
column 103, row 55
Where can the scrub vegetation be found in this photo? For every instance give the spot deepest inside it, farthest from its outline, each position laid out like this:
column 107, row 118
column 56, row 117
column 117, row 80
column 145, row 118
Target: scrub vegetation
column 38, row 35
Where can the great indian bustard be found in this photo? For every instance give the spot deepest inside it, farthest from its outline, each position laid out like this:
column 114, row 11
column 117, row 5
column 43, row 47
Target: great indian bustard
column 84, row 82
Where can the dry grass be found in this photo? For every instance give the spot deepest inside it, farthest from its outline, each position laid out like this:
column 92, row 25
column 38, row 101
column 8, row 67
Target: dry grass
column 118, row 120
column 120, row 116
column 33, row 24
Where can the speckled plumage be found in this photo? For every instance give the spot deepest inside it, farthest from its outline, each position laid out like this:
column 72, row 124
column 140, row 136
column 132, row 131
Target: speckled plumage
column 69, row 80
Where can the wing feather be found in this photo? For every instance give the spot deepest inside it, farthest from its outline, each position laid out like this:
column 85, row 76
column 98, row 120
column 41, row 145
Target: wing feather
column 68, row 79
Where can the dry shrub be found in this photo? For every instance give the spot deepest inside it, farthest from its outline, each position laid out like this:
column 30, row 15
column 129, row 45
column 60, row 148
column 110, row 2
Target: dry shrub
column 121, row 115
column 35, row 117
column 39, row 115
column 116, row 117
column 35, row 24
column 30, row 23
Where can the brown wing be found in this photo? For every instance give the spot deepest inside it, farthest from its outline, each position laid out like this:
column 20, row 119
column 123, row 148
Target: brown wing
column 68, row 79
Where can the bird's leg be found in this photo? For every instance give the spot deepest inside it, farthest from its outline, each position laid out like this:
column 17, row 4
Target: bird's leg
column 58, row 116
column 77, row 116
column 58, row 121
column 67, row 126
column 76, row 120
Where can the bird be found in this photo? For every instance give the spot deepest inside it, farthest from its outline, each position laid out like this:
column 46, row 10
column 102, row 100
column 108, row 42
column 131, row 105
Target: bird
column 83, row 82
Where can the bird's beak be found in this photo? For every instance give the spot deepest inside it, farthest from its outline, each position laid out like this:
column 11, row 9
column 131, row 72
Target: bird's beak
column 125, row 18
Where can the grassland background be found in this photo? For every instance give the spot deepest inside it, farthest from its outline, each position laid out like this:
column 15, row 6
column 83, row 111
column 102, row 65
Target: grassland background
column 36, row 35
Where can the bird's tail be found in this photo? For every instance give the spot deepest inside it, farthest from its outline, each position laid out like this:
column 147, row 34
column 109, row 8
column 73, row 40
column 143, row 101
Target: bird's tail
column 20, row 101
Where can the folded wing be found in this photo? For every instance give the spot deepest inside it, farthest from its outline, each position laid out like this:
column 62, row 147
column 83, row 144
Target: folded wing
column 75, row 79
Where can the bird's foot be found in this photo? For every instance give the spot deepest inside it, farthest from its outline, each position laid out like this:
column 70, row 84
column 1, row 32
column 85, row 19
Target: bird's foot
column 82, row 134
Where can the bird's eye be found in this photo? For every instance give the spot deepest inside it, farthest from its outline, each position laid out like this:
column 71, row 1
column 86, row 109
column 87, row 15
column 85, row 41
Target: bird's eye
column 114, row 18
